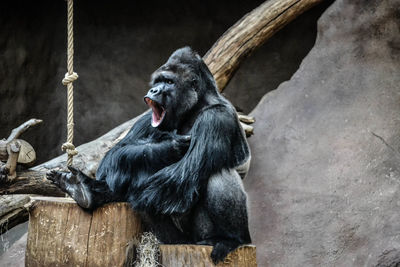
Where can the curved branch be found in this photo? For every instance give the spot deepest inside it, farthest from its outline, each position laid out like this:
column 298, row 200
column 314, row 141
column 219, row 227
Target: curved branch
column 15, row 133
column 249, row 33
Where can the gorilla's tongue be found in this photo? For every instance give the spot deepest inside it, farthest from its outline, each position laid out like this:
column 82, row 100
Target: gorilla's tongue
column 158, row 112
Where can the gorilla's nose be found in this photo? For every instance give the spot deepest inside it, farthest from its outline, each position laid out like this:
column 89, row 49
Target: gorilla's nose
column 155, row 91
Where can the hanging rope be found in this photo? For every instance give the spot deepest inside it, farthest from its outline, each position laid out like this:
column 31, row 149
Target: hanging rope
column 69, row 78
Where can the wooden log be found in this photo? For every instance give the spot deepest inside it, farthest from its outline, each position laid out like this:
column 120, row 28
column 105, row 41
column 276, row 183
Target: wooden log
column 14, row 207
column 13, row 211
column 31, row 182
column 27, row 154
column 199, row 256
column 249, row 33
column 62, row 234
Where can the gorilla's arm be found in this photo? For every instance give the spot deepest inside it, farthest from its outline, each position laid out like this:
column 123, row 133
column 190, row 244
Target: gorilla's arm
column 140, row 130
column 217, row 143
column 143, row 152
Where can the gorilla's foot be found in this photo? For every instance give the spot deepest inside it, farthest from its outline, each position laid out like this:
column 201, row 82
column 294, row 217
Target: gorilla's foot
column 74, row 183
column 58, row 178
column 221, row 250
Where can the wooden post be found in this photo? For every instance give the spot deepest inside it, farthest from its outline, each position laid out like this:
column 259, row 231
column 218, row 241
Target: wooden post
column 62, row 234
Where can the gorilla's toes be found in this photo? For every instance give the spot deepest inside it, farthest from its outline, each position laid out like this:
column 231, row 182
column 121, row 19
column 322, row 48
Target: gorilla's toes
column 58, row 178
column 52, row 176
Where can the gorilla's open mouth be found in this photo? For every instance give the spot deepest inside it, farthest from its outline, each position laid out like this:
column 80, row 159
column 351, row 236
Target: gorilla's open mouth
column 158, row 111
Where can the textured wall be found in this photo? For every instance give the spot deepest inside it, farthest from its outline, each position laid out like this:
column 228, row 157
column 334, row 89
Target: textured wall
column 324, row 182
column 118, row 45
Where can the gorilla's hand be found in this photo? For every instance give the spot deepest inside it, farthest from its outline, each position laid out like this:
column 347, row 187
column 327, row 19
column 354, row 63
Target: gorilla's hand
column 180, row 142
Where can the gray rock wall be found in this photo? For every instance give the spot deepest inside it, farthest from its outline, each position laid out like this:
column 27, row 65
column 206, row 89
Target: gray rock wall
column 324, row 184
column 118, row 44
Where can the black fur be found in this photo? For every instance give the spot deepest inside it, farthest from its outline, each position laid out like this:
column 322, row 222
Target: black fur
column 180, row 174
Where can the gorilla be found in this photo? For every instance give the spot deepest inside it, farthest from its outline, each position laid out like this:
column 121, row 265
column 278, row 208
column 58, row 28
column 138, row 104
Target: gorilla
column 180, row 166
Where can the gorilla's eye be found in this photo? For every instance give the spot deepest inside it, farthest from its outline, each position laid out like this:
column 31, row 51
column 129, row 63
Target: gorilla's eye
column 169, row 81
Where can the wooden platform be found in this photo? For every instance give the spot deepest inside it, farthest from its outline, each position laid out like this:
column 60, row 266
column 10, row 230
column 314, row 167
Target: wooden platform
column 63, row 234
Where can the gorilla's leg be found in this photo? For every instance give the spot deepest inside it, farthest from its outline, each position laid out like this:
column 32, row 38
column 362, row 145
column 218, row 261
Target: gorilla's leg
column 221, row 219
column 87, row 192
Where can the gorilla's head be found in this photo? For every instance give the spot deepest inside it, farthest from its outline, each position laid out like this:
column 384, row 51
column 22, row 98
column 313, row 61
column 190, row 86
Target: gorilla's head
column 181, row 86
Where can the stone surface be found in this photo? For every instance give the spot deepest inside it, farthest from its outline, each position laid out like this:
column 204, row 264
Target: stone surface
column 117, row 46
column 324, row 184
column 14, row 256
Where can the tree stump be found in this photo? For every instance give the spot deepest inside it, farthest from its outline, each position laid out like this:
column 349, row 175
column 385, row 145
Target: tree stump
column 62, row 234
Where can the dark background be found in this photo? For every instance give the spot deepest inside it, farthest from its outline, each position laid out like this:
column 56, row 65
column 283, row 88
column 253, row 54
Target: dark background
column 118, row 44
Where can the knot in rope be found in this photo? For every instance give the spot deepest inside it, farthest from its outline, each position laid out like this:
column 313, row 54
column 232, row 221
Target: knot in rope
column 69, row 78
column 69, row 148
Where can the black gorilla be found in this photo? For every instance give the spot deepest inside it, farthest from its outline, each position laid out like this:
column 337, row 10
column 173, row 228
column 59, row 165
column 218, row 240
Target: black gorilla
column 178, row 165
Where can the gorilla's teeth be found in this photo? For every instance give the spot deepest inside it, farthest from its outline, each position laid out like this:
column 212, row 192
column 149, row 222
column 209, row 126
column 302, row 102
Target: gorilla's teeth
column 158, row 111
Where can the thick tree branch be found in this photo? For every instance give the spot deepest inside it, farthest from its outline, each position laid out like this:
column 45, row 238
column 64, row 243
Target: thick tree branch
column 13, row 210
column 30, row 182
column 249, row 33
